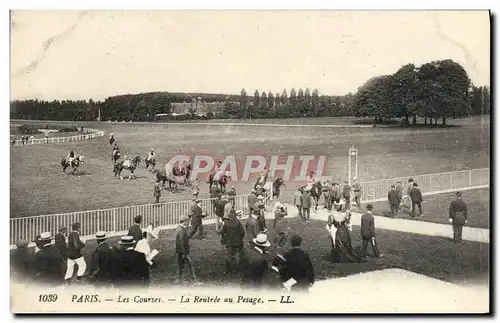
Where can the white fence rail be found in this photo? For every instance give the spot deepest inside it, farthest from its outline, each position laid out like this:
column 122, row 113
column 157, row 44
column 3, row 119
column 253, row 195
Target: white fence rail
column 166, row 214
column 89, row 134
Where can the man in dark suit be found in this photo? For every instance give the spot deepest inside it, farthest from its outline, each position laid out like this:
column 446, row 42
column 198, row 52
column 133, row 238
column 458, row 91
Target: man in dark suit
column 458, row 217
column 306, row 201
column 252, row 199
column 368, row 232
column 182, row 251
column 232, row 235
column 416, row 199
column 197, row 220
column 60, row 242
column 49, row 262
column 252, row 228
column 256, row 264
column 157, row 192
column 130, row 268
column 101, row 261
column 394, row 200
column 135, row 230
column 298, row 266
column 75, row 256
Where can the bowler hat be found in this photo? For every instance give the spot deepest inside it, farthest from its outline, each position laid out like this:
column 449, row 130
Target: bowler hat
column 76, row 226
column 369, row 207
column 138, row 219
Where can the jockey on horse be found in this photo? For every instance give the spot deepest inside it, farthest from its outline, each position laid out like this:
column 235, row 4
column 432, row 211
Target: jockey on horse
column 111, row 138
column 70, row 158
column 151, row 154
column 116, row 154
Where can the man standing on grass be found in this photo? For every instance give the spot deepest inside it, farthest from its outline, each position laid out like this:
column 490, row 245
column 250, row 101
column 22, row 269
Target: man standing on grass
column 232, row 237
column 252, row 199
column 394, row 200
column 182, row 251
column 306, row 201
column 368, row 232
column 416, row 200
column 399, row 190
column 75, row 256
column 197, row 216
column 357, row 192
column 458, row 217
column 346, row 194
column 157, row 192
column 135, row 230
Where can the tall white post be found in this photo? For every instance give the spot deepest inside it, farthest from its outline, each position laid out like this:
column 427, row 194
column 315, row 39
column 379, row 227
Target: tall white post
column 353, row 164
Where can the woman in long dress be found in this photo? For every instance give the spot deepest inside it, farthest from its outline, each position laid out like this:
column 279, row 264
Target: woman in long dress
column 339, row 228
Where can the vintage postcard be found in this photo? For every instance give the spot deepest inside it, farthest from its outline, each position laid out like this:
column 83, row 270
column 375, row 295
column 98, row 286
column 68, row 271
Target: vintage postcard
column 250, row 162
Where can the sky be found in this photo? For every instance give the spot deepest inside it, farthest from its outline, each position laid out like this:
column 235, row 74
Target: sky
column 96, row 54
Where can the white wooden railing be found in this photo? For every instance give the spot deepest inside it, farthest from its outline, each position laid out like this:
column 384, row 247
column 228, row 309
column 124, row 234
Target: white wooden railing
column 115, row 221
column 89, row 133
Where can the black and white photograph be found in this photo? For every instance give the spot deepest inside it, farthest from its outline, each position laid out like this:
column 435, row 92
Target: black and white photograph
column 250, row 161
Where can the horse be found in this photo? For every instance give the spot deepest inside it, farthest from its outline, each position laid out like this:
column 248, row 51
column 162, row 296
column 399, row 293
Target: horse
column 75, row 164
column 115, row 155
column 150, row 162
column 120, row 165
column 222, row 182
column 316, row 191
column 277, row 184
column 261, row 180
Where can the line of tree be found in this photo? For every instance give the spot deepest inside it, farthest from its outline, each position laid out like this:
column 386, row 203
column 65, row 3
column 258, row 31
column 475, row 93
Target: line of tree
column 435, row 90
column 298, row 104
column 439, row 89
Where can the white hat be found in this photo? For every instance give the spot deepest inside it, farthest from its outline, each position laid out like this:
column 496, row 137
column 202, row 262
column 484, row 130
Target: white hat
column 260, row 197
column 261, row 240
column 278, row 205
column 239, row 213
column 355, row 178
column 341, row 202
column 46, row 236
column 127, row 240
column 258, row 186
column 100, row 235
column 111, row 134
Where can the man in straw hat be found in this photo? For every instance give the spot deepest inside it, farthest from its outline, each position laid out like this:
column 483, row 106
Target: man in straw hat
column 101, row 261
column 458, row 217
column 182, row 251
column 48, row 261
column 130, row 266
column 75, row 256
column 232, row 234
column 256, row 264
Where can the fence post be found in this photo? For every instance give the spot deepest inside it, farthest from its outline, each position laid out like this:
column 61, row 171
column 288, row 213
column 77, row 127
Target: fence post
column 470, row 178
column 114, row 219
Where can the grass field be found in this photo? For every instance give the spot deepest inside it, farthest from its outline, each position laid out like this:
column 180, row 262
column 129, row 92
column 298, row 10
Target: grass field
column 436, row 208
column 37, row 186
column 436, row 257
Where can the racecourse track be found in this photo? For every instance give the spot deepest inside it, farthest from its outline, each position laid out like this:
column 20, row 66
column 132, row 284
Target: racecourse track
column 38, row 187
